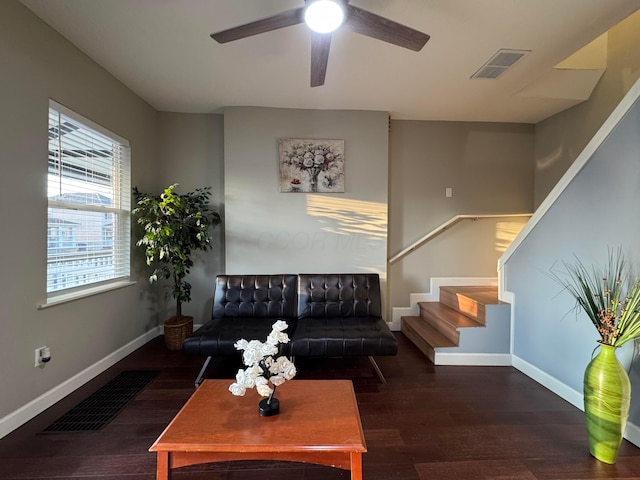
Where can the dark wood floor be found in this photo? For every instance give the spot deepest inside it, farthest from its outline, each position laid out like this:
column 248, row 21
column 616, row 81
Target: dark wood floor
column 426, row 423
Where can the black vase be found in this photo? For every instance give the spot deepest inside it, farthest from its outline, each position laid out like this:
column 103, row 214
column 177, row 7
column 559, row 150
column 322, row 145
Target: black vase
column 269, row 407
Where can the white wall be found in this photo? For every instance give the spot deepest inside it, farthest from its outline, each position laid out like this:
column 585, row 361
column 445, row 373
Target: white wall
column 271, row 232
column 38, row 64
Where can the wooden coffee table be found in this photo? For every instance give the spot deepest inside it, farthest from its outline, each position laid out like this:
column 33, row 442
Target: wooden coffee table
column 318, row 423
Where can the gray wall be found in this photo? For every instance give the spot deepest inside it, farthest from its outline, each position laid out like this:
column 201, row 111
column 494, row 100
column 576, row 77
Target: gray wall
column 597, row 210
column 489, row 166
column 271, row 232
column 561, row 138
column 38, row 64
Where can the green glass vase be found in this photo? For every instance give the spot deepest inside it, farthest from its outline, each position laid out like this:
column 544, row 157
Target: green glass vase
column 607, row 393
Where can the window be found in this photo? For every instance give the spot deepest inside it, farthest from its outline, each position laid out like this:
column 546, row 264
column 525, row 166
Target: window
column 89, row 204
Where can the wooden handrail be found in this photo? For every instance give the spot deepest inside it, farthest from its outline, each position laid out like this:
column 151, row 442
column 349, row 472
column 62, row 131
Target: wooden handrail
column 445, row 226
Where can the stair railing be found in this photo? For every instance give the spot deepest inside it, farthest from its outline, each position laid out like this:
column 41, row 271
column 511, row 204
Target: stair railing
column 444, row 227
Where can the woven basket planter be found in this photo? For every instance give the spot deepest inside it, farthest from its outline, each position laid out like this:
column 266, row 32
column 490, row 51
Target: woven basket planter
column 176, row 330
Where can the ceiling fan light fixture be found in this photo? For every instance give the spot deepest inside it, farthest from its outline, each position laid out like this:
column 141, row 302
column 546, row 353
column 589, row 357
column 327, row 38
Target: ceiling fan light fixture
column 324, row 16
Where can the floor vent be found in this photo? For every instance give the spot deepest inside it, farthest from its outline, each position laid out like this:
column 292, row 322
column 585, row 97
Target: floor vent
column 101, row 407
column 499, row 63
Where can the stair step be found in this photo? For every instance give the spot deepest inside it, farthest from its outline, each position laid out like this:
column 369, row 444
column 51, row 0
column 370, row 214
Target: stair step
column 424, row 336
column 446, row 320
column 441, row 323
column 433, row 336
column 470, row 300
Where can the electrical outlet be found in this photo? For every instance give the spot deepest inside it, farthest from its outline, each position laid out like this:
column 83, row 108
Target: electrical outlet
column 43, row 356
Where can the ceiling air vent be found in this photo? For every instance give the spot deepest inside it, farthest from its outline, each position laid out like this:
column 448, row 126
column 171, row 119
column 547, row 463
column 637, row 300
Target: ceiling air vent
column 499, row 63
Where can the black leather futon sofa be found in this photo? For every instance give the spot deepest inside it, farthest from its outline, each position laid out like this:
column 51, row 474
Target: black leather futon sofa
column 329, row 315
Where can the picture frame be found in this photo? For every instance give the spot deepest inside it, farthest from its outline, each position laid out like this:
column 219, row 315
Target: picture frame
column 309, row 165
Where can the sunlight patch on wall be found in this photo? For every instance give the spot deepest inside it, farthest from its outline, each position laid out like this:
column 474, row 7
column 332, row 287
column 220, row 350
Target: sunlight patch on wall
column 506, row 232
column 344, row 216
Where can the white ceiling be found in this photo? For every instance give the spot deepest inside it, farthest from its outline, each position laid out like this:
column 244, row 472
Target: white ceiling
column 161, row 50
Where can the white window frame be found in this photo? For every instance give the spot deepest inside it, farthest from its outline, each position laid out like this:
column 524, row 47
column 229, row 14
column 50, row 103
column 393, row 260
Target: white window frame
column 87, row 266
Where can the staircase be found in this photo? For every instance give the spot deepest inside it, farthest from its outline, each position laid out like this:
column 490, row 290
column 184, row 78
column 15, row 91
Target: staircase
column 467, row 326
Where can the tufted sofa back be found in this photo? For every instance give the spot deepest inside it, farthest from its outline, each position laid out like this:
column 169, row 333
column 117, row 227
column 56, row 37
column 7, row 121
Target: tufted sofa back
column 339, row 295
column 257, row 296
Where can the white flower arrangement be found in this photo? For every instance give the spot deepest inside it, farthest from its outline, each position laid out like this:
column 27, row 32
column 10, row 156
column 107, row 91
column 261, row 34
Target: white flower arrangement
column 263, row 368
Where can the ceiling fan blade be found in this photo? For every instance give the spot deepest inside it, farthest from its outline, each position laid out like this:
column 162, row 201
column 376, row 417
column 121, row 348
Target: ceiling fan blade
column 320, row 44
column 372, row 25
column 275, row 22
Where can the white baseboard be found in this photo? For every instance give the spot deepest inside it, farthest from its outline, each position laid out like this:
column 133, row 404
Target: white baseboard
column 25, row 413
column 436, row 282
column 395, row 327
column 397, row 313
column 473, row 359
column 632, row 432
column 556, row 386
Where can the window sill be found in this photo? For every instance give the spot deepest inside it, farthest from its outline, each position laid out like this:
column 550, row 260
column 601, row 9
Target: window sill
column 89, row 292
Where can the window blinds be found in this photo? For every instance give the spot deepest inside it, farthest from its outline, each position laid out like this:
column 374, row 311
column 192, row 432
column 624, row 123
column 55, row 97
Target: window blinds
column 89, row 203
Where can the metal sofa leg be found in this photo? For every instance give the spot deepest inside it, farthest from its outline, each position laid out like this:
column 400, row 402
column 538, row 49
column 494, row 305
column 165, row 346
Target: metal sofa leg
column 377, row 369
column 202, row 370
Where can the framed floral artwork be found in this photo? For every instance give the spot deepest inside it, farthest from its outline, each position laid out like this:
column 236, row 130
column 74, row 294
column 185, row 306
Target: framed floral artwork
column 311, row 165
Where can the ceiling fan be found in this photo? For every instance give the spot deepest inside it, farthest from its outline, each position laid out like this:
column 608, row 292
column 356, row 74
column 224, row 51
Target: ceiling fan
column 316, row 14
